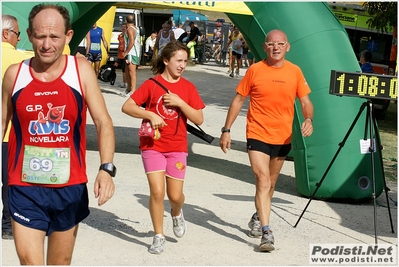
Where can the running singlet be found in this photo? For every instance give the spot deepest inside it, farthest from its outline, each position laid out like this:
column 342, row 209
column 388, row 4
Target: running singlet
column 236, row 46
column 136, row 48
column 163, row 42
column 233, row 38
column 47, row 143
column 95, row 40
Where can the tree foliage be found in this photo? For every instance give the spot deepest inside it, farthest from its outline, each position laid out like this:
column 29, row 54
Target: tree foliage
column 385, row 15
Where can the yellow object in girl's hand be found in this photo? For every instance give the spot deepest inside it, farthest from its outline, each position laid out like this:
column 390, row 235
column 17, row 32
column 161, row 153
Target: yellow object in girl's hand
column 147, row 131
column 157, row 134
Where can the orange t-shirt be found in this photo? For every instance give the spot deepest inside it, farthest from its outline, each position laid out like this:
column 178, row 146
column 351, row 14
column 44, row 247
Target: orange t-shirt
column 121, row 46
column 272, row 94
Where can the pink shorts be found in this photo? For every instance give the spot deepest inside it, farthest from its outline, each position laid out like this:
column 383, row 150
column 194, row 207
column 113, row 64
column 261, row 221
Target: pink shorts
column 172, row 163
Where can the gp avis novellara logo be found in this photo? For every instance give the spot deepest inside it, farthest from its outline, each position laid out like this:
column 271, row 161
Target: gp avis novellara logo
column 52, row 122
column 353, row 254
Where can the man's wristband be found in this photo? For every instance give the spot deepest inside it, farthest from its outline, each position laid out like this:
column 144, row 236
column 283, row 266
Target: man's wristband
column 309, row 119
column 108, row 167
column 225, row 130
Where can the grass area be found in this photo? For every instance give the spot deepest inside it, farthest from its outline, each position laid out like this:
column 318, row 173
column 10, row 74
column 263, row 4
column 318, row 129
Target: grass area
column 389, row 140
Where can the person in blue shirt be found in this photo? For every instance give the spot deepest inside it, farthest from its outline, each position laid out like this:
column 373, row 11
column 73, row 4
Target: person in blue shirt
column 93, row 47
column 365, row 65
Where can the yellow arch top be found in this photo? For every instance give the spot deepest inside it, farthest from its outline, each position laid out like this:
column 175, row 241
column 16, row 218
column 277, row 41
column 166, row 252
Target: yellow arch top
column 234, row 7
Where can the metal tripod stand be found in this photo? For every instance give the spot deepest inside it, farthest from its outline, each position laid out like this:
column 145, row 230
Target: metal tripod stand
column 371, row 127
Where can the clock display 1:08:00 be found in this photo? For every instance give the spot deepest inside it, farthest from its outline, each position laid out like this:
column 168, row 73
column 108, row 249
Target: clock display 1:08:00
column 365, row 85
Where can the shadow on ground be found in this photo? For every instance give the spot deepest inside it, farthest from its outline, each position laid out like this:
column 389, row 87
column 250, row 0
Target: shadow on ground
column 220, row 94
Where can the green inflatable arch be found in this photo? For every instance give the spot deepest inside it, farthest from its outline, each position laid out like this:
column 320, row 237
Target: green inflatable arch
column 319, row 44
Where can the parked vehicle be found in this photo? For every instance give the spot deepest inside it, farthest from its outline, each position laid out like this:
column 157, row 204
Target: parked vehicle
column 355, row 20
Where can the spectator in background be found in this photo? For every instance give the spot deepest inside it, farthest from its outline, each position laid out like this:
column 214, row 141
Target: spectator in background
column 236, row 52
column 183, row 37
column 149, row 46
column 10, row 55
column 200, row 35
column 192, row 39
column 217, row 34
column 234, row 34
column 121, row 49
column 165, row 35
column 132, row 53
column 93, row 49
column 179, row 31
column 365, row 58
column 217, row 40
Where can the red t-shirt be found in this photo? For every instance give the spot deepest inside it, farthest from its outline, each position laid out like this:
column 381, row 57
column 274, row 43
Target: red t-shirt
column 174, row 135
column 272, row 92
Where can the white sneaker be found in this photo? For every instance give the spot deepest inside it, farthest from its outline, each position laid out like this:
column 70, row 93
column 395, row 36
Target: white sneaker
column 179, row 225
column 128, row 92
column 157, row 244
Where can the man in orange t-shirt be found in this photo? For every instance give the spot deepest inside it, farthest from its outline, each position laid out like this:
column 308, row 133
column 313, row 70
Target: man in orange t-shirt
column 273, row 85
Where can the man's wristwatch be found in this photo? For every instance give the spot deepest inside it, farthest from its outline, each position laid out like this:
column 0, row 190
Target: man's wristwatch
column 225, row 130
column 108, row 167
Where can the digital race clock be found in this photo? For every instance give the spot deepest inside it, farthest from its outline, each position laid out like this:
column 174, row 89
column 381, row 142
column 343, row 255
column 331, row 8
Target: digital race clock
column 366, row 85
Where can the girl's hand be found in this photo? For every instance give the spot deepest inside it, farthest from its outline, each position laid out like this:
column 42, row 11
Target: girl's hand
column 172, row 100
column 156, row 121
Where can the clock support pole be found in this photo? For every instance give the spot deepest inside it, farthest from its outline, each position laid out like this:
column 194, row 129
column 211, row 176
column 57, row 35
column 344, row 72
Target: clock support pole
column 371, row 127
column 373, row 131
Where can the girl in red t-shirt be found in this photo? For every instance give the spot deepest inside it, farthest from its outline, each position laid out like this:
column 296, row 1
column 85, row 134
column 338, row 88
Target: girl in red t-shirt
column 165, row 154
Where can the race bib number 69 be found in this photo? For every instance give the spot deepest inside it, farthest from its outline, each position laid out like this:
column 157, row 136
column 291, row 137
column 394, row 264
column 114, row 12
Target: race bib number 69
column 43, row 165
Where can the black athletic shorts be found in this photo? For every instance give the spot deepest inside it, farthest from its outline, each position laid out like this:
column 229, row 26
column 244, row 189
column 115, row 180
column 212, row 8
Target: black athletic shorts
column 122, row 64
column 269, row 149
column 237, row 55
